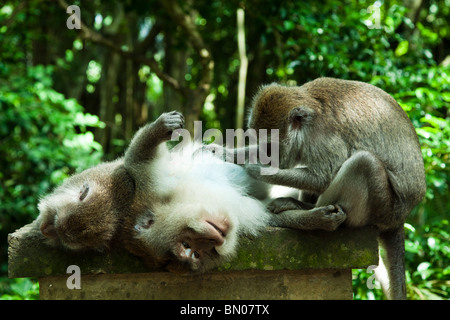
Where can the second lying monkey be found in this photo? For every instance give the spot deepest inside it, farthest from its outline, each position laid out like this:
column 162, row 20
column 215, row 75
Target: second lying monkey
column 202, row 205
column 180, row 209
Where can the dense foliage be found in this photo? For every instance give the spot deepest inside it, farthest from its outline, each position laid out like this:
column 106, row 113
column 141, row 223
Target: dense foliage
column 43, row 140
column 136, row 59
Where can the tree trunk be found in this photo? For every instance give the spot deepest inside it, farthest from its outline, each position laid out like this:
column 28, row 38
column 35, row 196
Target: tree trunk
column 242, row 75
column 107, row 85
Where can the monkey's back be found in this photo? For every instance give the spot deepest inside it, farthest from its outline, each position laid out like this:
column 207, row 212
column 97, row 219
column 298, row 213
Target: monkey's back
column 369, row 119
column 345, row 117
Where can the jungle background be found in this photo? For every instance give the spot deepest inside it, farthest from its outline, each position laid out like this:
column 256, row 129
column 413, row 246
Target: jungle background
column 70, row 98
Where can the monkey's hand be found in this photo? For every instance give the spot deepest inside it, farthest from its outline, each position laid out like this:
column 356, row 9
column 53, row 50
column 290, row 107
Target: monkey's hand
column 266, row 173
column 254, row 170
column 287, row 203
column 214, row 149
column 167, row 123
column 221, row 152
column 327, row 217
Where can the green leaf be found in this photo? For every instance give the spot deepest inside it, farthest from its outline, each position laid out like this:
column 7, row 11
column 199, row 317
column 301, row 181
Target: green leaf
column 446, row 96
column 288, row 25
column 402, row 48
column 423, row 269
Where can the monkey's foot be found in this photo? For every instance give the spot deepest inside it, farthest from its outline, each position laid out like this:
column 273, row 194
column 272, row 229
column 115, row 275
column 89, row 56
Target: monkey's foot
column 287, row 203
column 328, row 217
column 321, row 218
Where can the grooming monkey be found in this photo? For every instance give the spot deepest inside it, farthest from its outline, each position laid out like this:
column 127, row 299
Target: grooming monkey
column 182, row 209
column 349, row 144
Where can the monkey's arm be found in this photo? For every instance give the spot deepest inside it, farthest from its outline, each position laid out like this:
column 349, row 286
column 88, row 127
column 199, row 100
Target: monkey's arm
column 322, row 218
column 249, row 156
column 299, row 178
column 243, row 155
column 144, row 144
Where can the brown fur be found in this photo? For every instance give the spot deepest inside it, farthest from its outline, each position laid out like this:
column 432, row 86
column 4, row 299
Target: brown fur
column 349, row 144
column 115, row 190
column 182, row 210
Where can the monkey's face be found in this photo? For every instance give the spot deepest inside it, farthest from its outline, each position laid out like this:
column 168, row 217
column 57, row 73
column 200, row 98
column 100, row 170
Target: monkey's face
column 187, row 236
column 78, row 215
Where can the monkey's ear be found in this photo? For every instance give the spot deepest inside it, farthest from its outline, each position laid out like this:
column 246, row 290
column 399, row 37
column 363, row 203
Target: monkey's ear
column 145, row 221
column 84, row 191
column 299, row 116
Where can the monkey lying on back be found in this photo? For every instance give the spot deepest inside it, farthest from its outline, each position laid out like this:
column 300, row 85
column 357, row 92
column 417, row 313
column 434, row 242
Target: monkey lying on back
column 182, row 209
column 350, row 144
column 88, row 209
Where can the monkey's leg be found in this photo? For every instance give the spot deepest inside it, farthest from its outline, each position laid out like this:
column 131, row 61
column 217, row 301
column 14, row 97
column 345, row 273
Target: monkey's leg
column 322, row 218
column 362, row 189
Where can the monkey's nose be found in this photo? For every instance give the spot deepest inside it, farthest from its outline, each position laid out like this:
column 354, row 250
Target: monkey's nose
column 207, row 244
column 221, row 226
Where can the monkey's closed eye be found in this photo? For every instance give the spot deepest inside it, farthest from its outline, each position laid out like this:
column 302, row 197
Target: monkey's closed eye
column 84, row 191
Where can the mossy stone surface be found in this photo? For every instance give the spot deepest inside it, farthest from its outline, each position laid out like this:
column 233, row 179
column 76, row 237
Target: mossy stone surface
column 274, row 249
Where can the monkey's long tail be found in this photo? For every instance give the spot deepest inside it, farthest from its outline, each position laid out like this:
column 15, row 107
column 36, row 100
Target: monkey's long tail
column 391, row 269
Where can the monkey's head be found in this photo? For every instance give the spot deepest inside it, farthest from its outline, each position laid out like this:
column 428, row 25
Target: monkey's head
column 196, row 230
column 291, row 110
column 186, row 236
column 282, row 107
column 82, row 212
column 269, row 108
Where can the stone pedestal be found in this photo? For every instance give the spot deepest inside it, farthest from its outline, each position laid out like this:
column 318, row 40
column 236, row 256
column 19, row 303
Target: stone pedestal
column 279, row 264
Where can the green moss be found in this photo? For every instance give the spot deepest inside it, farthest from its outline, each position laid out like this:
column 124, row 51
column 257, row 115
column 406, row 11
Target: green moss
column 291, row 249
column 275, row 249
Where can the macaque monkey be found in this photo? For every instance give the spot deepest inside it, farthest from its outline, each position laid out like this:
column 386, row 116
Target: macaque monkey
column 348, row 144
column 85, row 211
column 199, row 206
column 88, row 209
column 182, row 209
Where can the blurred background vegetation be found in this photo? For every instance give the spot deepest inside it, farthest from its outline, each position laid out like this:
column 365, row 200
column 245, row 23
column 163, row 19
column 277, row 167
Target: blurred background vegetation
column 72, row 98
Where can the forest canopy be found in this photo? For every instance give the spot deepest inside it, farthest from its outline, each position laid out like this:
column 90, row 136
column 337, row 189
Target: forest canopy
column 71, row 97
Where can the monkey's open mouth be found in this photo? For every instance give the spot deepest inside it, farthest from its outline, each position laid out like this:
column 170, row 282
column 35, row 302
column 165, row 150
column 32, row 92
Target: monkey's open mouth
column 221, row 228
